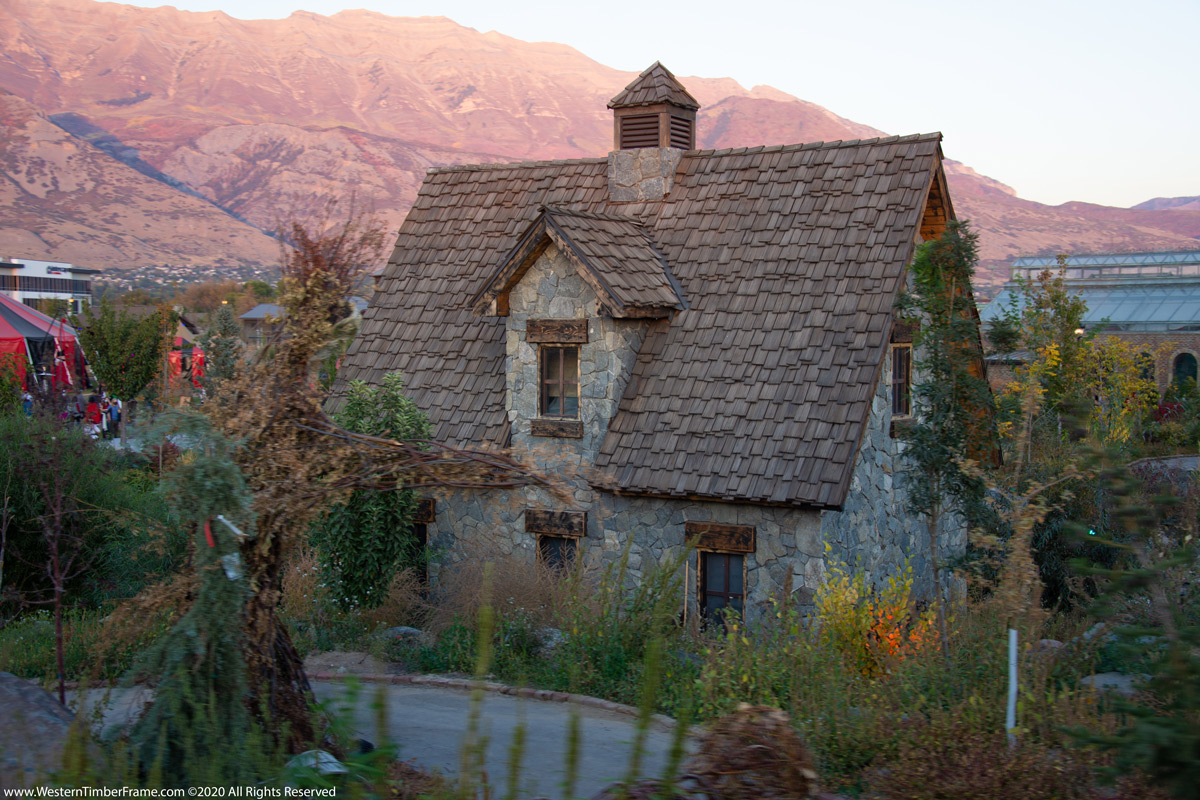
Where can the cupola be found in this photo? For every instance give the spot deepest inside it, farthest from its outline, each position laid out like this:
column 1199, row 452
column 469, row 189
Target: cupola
column 654, row 111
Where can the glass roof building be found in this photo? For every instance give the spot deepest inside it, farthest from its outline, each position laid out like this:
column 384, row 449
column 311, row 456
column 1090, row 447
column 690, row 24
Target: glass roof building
column 1134, row 292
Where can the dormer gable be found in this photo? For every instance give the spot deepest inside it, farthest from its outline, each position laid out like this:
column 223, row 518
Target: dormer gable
column 616, row 256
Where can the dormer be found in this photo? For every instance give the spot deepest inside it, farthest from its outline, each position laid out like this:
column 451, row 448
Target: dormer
column 616, row 256
column 654, row 111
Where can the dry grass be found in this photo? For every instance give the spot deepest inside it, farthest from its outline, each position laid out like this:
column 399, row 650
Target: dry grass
column 518, row 583
column 304, row 596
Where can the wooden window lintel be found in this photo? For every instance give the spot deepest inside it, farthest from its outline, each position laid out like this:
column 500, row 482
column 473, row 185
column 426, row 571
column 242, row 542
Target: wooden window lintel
column 720, row 538
column 556, row 331
column 556, row 523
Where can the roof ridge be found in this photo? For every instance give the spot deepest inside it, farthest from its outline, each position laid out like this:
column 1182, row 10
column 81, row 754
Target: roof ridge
column 548, row 162
column 569, row 212
column 935, row 136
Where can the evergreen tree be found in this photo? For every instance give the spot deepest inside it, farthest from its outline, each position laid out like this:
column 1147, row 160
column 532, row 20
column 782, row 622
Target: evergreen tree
column 953, row 416
column 222, row 348
column 198, row 729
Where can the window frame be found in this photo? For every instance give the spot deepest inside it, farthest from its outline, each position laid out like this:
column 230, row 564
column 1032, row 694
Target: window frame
column 901, row 404
column 702, row 590
column 562, row 383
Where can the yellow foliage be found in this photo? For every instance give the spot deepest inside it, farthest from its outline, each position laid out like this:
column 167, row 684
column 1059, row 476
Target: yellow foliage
column 872, row 629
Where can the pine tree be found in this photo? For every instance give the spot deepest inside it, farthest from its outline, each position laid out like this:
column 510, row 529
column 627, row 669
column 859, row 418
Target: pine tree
column 953, row 415
column 222, row 348
column 197, row 730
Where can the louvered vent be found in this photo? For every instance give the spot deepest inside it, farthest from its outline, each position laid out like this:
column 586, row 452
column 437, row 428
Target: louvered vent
column 683, row 133
column 639, row 130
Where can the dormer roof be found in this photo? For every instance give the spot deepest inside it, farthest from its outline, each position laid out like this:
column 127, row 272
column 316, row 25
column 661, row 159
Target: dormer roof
column 615, row 255
column 655, row 85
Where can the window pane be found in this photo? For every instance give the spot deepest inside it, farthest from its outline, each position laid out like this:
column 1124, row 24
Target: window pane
column 571, row 364
column 735, row 603
column 553, row 405
column 1185, row 367
column 735, row 574
column 713, row 603
column 901, row 377
column 714, row 572
column 551, row 358
column 571, row 407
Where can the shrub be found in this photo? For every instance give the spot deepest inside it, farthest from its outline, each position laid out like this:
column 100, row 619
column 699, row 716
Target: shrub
column 872, row 629
column 365, row 539
column 120, row 517
column 943, row 758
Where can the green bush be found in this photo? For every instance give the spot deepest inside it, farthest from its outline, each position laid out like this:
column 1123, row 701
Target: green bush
column 129, row 537
column 366, row 539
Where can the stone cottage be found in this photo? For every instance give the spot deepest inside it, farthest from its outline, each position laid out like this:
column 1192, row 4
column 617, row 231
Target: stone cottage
column 701, row 341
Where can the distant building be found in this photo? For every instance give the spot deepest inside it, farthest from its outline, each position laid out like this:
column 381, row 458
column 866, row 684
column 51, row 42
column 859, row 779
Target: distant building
column 1151, row 299
column 31, row 281
column 266, row 319
column 260, row 323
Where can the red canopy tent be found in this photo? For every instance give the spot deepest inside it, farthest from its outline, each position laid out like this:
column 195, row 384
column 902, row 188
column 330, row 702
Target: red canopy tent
column 29, row 337
column 185, row 357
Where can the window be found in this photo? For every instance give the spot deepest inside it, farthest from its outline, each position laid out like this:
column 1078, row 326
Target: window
column 901, row 380
column 420, row 535
column 560, row 382
column 1184, row 367
column 557, row 552
column 721, row 583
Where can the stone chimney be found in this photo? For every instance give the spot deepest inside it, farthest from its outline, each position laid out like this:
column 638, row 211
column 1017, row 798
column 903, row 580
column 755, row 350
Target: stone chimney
column 654, row 121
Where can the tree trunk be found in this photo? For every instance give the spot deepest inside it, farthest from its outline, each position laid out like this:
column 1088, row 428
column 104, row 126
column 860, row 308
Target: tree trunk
column 939, row 600
column 279, row 689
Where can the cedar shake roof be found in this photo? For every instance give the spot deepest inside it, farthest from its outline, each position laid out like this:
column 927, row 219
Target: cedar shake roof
column 655, row 85
column 790, row 259
column 615, row 255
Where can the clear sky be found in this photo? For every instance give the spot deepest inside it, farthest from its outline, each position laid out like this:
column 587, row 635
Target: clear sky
column 1092, row 100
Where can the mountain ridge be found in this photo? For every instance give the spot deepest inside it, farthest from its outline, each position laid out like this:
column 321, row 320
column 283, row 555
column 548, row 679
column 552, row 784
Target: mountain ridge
column 265, row 117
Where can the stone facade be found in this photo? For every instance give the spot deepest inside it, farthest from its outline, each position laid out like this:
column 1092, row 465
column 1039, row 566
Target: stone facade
column 874, row 530
column 552, row 289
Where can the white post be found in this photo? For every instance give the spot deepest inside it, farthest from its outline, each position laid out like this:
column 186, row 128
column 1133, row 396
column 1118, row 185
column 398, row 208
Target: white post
column 1010, row 719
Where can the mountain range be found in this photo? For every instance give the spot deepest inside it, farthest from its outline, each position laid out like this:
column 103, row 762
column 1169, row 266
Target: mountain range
column 135, row 135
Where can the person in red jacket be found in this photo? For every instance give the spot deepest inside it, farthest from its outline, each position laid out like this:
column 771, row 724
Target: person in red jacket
column 92, row 417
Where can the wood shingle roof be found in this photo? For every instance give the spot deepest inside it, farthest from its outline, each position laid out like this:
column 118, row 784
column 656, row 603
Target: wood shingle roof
column 789, row 259
column 616, row 255
column 655, row 85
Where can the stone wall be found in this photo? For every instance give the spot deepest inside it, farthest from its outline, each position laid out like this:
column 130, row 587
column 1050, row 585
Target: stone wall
column 788, row 541
column 875, row 528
